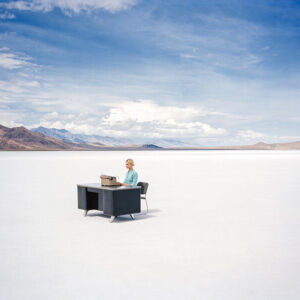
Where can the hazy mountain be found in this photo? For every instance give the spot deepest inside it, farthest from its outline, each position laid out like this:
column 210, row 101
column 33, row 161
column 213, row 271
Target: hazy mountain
column 150, row 147
column 165, row 143
column 275, row 146
column 278, row 146
column 67, row 136
column 257, row 146
column 20, row 138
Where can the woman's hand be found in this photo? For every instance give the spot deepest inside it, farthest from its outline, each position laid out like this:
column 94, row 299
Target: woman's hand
column 124, row 184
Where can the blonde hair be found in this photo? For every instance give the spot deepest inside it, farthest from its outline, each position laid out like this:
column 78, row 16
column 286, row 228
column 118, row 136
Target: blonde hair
column 130, row 161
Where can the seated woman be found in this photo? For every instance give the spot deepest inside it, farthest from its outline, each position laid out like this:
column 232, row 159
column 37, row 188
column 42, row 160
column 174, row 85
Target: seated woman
column 131, row 176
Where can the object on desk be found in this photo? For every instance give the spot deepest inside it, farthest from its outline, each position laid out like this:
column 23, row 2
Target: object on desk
column 114, row 201
column 144, row 188
column 109, row 180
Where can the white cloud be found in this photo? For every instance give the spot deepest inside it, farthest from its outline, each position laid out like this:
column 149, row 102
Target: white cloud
column 290, row 137
column 21, row 76
column 147, row 110
column 33, row 83
column 143, row 118
column 11, row 61
column 250, row 134
column 51, row 116
column 70, row 6
column 188, row 56
column 7, row 15
column 8, row 118
column 17, row 86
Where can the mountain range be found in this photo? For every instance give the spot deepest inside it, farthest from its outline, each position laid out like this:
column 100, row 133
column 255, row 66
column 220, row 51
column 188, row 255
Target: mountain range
column 67, row 136
column 41, row 138
column 21, row 138
column 257, row 146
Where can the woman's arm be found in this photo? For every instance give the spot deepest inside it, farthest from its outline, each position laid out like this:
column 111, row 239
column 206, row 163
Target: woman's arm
column 135, row 178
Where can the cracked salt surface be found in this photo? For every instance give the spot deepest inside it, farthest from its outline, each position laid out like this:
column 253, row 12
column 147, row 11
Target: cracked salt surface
column 221, row 225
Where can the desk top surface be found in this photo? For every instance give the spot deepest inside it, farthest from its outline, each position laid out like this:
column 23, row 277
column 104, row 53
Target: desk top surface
column 111, row 188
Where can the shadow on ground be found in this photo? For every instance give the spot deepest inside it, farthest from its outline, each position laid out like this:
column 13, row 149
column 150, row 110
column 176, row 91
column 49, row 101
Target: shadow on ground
column 126, row 218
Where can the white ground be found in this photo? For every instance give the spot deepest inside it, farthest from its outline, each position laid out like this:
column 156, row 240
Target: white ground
column 222, row 225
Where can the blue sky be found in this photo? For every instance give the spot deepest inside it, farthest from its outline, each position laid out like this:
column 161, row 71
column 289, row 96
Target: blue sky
column 205, row 72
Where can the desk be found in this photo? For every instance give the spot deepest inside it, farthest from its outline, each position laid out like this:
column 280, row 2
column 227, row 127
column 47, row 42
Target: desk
column 113, row 201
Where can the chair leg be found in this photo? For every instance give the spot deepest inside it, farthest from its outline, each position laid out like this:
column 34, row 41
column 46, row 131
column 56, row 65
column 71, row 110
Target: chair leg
column 146, row 204
column 112, row 218
column 132, row 216
column 85, row 213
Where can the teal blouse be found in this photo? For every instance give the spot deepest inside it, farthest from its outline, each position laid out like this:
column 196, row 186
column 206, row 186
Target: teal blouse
column 131, row 177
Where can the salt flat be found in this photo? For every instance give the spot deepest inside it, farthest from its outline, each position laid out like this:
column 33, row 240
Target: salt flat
column 221, row 225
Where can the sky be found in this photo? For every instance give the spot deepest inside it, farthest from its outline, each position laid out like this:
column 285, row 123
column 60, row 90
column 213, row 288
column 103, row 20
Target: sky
column 203, row 72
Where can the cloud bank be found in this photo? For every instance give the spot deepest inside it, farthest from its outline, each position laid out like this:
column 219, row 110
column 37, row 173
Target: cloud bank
column 135, row 119
column 146, row 118
column 70, row 6
column 10, row 60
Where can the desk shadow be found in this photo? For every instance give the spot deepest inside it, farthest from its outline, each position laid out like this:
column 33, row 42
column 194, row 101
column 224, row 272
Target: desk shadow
column 125, row 218
column 153, row 210
column 97, row 214
column 137, row 217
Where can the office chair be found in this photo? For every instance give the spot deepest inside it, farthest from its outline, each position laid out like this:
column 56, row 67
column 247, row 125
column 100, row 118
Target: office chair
column 144, row 188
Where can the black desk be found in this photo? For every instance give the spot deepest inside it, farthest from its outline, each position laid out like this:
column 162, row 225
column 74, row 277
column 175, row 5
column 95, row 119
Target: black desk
column 113, row 201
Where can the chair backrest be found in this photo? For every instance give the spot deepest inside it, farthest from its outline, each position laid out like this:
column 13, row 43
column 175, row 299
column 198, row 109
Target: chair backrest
column 144, row 187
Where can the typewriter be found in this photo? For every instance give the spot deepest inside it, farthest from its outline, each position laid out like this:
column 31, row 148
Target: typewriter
column 109, row 180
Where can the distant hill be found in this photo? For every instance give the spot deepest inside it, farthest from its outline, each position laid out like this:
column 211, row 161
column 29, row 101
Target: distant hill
column 257, row 146
column 278, row 146
column 67, row 136
column 21, row 138
column 150, row 146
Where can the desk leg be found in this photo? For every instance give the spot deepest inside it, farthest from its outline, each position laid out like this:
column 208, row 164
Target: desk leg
column 112, row 218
